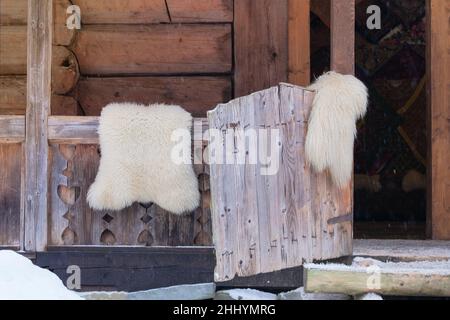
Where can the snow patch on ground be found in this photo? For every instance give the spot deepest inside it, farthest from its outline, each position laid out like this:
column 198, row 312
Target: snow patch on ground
column 20, row 279
column 362, row 265
column 245, row 294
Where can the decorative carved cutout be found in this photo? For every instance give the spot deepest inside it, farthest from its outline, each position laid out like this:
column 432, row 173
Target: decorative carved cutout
column 107, row 218
column 69, row 237
column 107, row 238
column 68, row 195
column 145, row 238
column 146, row 218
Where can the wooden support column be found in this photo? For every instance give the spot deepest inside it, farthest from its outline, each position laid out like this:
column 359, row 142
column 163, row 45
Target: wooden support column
column 260, row 45
column 343, row 36
column 438, row 71
column 38, row 106
column 299, row 42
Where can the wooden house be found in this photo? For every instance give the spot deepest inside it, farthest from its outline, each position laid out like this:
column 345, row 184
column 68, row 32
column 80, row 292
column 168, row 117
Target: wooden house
column 54, row 80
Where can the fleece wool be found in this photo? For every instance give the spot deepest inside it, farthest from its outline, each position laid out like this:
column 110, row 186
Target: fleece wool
column 136, row 163
column 339, row 102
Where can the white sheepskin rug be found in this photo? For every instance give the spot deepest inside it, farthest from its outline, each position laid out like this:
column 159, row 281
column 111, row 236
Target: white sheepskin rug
column 136, row 163
column 340, row 101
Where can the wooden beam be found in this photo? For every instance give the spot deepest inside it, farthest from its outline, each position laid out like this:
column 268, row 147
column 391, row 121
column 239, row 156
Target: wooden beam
column 12, row 129
column 438, row 70
column 38, row 105
column 402, row 250
column 343, row 36
column 83, row 130
column 414, row 279
column 261, row 45
column 299, row 42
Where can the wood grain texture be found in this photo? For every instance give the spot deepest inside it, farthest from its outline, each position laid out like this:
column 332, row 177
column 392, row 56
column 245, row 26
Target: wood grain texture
column 343, row 36
column 83, row 130
column 154, row 49
column 299, row 42
column 122, row 12
column 62, row 35
column 65, row 106
column 438, row 71
column 13, row 50
column 195, row 94
column 65, row 71
column 265, row 223
column 407, row 282
column 40, row 27
column 261, row 44
column 12, row 129
column 10, row 193
column 13, row 95
column 13, row 12
column 200, row 10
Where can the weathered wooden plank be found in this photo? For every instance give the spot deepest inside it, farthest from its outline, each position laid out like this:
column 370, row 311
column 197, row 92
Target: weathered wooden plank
column 65, row 106
column 12, row 129
column 200, row 10
column 13, row 50
column 343, row 36
column 13, row 12
column 13, row 95
column 261, row 44
column 81, row 130
column 299, row 42
column 402, row 250
column 405, row 279
column 154, row 49
column 10, row 192
column 122, row 12
column 40, row 26
column 65, row 71
column 195, row 94
column 438, row 67
column 62, row 35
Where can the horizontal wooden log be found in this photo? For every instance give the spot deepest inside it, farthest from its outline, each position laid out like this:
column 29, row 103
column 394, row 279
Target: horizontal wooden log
column 195, row 94
column 13, row 95
column 12, row 129
column 13, row 50
column 154, row 49
column 200, row 10
column 151, row 11
column 61, row 34
column 65, row 106
column 13, row 12
column 65, row 71
column 83, row 130
column 393, row 281
column 122, row 12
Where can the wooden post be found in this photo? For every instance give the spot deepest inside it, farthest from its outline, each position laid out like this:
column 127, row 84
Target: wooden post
column 38, row 106
column 343, row 36
column 299, row 42
column 438, row 71
column 260, row 45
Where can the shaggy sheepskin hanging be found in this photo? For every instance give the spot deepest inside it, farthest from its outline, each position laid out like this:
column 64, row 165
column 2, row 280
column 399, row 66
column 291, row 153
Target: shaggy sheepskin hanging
column 136, row 163
column 340, row 101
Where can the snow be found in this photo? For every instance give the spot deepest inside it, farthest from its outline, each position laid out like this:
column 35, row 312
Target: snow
column 247, row 294
column 362, row 265
column 20, row 279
